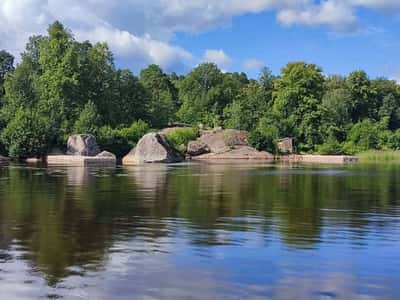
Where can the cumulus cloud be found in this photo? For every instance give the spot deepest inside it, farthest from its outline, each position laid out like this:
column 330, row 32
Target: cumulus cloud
column 142, row 31
column 253, row 64
column 219, row 57
column 141, row 50
column 336, row 14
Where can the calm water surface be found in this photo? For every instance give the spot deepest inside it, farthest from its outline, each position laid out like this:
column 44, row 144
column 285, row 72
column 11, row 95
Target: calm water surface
column 200, row 232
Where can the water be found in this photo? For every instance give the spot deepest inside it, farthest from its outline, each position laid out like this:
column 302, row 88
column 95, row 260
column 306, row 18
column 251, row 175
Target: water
column 200, row 232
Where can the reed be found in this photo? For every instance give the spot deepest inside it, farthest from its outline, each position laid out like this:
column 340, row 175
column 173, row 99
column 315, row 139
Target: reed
column 380, row 156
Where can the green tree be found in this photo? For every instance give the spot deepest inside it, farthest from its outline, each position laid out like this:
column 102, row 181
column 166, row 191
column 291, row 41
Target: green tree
column 297, row 99
column 363, row 96
column 202, row 95
column 163, row 102
column 6, row 66
column 362, row 136
column 129, row 102
column 27, row 134
column 265, row 137
column 88, row 121
column 252, row 102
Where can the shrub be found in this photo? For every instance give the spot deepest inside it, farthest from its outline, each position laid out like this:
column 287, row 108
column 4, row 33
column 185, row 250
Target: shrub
column 179, row 138
column 363, row 136
column 134, row 132
column 121, row 141
column 394, row 140
column 265, row 138
column 331, row 146
column 27, row 135
column 349, row 148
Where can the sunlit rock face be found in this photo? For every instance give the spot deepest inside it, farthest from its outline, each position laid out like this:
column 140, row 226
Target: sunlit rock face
column 82, row 144
column 226, row 144
column 153, row 148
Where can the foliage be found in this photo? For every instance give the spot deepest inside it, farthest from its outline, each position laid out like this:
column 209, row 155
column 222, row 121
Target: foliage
column 331, row 146
column 134, row 132
column 265, row 137
column 62, row 86
column 163, row 102
column 180, row 137
column 27, row 135
column 250, row 104
column 6, row 67
column 88, row 120
column 297, row 98
column 121, row 141
column 205, row 92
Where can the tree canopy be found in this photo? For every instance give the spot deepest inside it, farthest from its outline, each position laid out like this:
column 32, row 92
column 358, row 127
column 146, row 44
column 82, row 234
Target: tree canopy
column 63, row 86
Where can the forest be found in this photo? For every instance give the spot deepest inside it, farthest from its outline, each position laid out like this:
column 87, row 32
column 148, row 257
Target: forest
column 62, row 86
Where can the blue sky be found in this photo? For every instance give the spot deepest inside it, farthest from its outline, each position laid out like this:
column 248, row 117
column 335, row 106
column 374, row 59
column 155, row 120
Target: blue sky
column 374, row 48
column 338, row 35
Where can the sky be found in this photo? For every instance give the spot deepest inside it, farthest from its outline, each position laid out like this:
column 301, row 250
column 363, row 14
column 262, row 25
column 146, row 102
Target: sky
column 238, row 35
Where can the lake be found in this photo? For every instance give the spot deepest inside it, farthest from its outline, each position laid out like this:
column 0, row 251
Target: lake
column 200, row 231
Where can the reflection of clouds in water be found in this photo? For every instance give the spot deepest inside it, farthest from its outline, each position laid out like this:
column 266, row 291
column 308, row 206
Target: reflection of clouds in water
column 16, row 271
column 331, row 286
column 131, row 272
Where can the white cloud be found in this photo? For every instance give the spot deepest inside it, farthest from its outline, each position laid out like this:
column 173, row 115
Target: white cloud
column 219, row 57
column 333, row 13
column 142, row 30
column 142, row 50
column 253, row 64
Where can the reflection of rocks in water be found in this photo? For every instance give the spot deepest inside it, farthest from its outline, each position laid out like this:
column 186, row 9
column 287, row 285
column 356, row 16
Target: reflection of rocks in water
column 78, row 176
column 81, row 176
column 150, row 178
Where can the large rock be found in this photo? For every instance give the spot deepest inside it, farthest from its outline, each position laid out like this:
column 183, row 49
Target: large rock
column 195, row 148
column 83, row 145
column 152, row 148
column 106, row 154
column 220, row 141
column 226, row 144
column 239, row 152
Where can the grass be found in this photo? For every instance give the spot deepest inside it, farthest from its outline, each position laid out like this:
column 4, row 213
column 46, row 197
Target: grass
column 380, row 156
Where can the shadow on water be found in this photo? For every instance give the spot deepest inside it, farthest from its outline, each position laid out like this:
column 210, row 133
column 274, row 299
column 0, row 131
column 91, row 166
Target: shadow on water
column 66, row 222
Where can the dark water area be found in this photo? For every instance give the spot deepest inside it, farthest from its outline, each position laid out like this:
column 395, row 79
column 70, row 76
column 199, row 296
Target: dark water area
column 200, row 231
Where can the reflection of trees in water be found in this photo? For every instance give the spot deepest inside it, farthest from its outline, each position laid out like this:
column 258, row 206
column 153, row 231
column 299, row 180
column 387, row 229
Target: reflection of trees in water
column 73, row 216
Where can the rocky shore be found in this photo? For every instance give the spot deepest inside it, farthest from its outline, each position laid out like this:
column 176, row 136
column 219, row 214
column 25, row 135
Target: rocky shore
column 217, row 144
column 211, row 145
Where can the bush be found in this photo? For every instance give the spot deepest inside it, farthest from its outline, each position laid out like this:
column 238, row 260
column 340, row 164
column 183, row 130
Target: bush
column 265, row 138
column 121, row 141
column 331, row 146
column 363, row 136
column 349, row 148
column 27, row 135
column 394, row 140
column 135, row 132
column 179, row 138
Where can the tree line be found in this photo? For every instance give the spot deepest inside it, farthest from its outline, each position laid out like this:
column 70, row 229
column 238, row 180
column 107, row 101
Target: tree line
column 62, row 86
